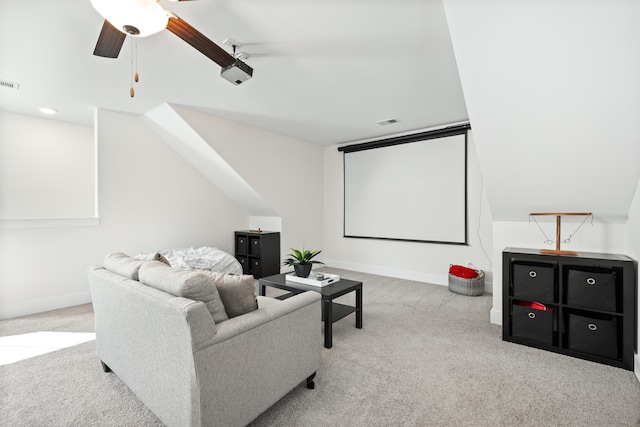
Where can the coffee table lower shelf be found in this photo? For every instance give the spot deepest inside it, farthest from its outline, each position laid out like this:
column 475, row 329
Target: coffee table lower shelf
column 338, row 311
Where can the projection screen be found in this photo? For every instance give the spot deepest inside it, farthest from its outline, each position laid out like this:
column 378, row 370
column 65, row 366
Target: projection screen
column 411, row 188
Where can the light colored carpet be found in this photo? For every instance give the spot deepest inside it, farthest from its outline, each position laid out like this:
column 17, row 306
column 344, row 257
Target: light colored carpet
column 425, row 357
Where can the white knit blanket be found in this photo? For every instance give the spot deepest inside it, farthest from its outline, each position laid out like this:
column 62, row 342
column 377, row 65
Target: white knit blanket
column 204, row 257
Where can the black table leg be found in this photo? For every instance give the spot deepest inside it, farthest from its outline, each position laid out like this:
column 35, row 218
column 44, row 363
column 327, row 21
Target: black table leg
column 328, row 322
column 263, row 289
column 359, row 308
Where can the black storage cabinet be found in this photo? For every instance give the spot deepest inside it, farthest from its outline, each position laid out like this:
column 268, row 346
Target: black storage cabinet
column 589, row 304
column 258, row 252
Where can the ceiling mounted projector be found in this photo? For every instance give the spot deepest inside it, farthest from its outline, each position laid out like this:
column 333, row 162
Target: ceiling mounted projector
column 237, row 73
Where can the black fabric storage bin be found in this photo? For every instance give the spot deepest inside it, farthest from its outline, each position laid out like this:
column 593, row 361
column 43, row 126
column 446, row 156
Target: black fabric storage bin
column 241, row 244
column 255, row 246
column 244, row 262
column 532, row 324
column 534, row 281
column 594, row 288
column 593, row 335
column 256, row 267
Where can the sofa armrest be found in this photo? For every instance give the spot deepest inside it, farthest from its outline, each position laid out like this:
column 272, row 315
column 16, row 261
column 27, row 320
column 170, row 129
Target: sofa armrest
column 266, row 313
column 258, row 358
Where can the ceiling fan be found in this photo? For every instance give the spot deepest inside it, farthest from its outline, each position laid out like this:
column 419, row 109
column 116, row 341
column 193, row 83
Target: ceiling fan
column 141, row 18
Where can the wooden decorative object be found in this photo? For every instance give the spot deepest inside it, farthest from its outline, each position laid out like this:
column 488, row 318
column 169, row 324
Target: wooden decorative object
column 558, row 215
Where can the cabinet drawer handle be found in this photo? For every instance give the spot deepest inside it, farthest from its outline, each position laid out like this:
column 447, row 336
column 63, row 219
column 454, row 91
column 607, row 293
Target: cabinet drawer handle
column 255, row 242
column 592, row 327
column 532, row 274
column 531, row 315
column 591, row 281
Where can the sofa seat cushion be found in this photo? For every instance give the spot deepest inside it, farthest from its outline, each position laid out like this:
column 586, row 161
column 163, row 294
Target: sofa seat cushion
column 122, row 264
column 238, row 292
column 194, row 285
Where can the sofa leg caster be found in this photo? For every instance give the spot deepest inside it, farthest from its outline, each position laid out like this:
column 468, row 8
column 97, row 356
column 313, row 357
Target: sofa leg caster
column 105, row 367
column 310, row 384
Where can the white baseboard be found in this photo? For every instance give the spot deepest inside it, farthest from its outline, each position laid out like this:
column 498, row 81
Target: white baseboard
column 636, row 366
column 41, row 305
column 390, row 272
column 495, row 316
column 436, row 279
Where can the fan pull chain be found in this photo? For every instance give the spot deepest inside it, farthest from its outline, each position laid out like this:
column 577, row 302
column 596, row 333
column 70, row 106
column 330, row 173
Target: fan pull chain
column 134, row 56
column 135, row 75
column 131, row 91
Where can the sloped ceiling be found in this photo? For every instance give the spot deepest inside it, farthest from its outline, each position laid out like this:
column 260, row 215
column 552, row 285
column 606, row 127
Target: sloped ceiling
column 553, row 94
column 324, row 71
column 172, row 127
column 551, row 87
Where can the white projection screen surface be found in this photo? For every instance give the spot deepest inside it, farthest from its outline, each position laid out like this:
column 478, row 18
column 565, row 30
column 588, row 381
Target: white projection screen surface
column 414, row 191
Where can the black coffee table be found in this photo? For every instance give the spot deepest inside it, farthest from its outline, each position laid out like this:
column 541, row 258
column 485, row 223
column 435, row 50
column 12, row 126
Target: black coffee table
column 331, row 311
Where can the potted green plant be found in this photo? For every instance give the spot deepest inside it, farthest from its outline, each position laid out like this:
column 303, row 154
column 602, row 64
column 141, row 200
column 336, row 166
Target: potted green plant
column 302, row 261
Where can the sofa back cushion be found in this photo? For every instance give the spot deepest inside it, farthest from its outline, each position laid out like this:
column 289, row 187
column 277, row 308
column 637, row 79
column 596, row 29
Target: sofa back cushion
column 238, row 292
column 122, row 264
column 184, row 283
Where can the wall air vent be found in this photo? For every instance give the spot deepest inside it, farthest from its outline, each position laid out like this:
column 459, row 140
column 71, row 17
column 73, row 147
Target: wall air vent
column 387, row 121
column 8, row 84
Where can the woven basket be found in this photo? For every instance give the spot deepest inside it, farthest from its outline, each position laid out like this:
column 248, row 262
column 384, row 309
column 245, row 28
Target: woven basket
column 469, row 287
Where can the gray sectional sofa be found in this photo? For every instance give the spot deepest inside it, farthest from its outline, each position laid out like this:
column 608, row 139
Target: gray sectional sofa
column 155, row 330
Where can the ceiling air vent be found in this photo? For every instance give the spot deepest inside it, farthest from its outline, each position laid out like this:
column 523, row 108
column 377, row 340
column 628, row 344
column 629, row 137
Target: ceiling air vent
column 387, row 121
column 9, row 85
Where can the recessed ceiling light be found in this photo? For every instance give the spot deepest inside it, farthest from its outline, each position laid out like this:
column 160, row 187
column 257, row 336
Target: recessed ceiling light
column 46, row 110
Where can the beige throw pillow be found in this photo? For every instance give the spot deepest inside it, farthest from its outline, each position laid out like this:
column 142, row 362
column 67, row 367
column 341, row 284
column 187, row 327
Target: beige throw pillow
column 122, row 264
column 238, row 293
column 184, row 283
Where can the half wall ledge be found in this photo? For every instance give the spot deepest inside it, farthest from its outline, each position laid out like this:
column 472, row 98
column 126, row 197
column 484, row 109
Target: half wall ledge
column 17, row 223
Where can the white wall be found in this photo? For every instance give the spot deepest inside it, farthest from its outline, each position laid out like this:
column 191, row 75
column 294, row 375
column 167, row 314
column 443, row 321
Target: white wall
column 47, row 168
column 150, row 199
column 424, row 262
column 555, row 115
column 552, row 88
column 285, row 172
column 633, row 250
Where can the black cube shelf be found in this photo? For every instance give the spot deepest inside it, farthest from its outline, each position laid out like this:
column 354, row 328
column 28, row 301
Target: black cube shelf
column 582, row 306
column 258, row 252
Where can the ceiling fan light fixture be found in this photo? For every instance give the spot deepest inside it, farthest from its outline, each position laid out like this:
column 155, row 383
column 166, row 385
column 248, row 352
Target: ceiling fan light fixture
column 138, row 18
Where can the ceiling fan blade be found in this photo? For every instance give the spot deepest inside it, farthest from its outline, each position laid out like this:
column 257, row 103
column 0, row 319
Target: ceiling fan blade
column 110, row 41
column 195, row 38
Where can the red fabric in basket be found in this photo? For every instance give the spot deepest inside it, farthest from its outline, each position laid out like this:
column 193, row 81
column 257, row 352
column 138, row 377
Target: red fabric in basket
column 462, row 271
column 534, row 305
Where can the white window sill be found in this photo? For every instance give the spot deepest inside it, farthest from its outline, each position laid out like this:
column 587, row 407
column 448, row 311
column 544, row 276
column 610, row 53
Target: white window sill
column 14, row 223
